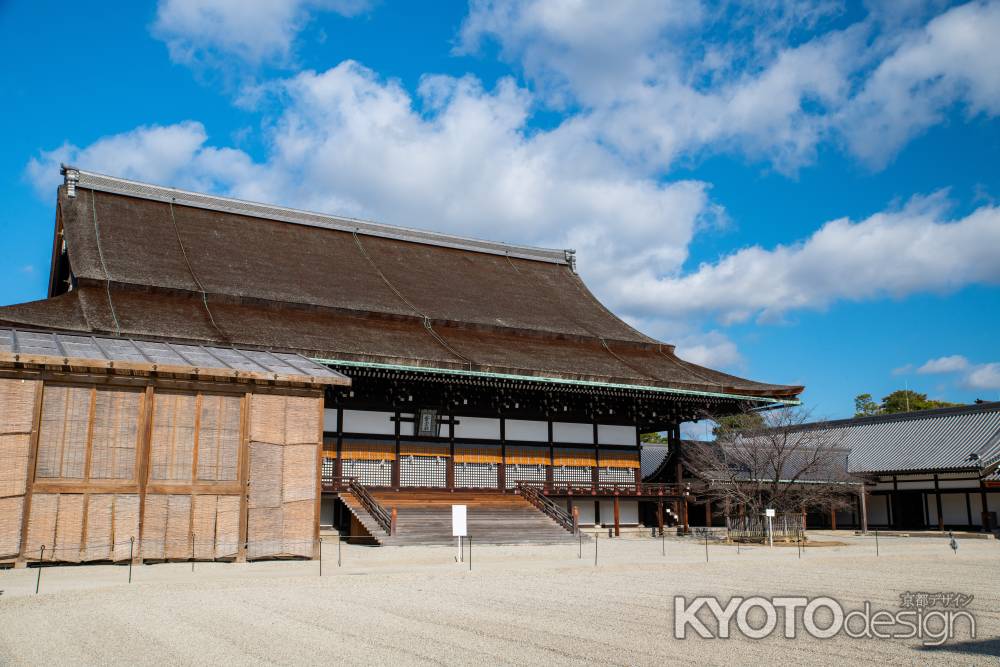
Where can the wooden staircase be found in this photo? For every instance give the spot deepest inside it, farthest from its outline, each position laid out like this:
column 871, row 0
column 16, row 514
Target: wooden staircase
column 424, row 517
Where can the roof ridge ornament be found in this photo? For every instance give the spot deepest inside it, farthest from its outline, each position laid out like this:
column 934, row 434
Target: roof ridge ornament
column 71, row 178
column 571, row 259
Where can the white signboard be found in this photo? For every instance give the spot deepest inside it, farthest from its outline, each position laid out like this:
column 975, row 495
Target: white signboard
column 458, row 528
column 769, row 513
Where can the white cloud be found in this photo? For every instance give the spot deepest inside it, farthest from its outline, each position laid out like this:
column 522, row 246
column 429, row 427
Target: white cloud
column 953, row 59
column 165, row 154
column 986, row 376
column 949, row 364
column 456, row 158
column 895, row 253
column 660, row 81
column 254, row 31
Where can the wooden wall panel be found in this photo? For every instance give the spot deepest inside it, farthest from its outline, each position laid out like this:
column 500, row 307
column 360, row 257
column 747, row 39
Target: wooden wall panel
column 98, row 543
column 65, row 427
column 69, row 527
column 11, row 512
column 267, row 419
column 298, row 480
column 14, row 450
column 301, row 420
column 265, row 474
column 17, row 399
column 178, row 541
column 115, row 434
column 203, row 519
column 171, row 454
column 227, row 526
column 297, row 528
column 154, row 527
column 219, row 438
column 41, row 524
column 126, row 525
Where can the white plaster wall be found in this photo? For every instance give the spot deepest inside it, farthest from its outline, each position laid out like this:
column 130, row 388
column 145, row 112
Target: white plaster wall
column 571, row 432
column 365, row 421
column 330, row 419
column 521, row 429
column 976, row 502
column 407, row 428
column 615, row 435
column 586, row 510
column 477, row 427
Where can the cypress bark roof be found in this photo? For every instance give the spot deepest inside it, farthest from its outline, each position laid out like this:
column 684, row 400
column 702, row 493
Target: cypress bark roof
column 159, row 263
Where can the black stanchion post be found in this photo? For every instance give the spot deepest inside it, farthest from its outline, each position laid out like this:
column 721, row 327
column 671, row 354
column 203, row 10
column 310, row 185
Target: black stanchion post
column 470, row 554
column 338, row 549
column 131, row 548
column 798, row 543
column 192, row 552
column 580, row 553
column 597, row 535
column 41, row 557
column 706, row 545
column 663, row 542
column 876, row 542
column 321, row 556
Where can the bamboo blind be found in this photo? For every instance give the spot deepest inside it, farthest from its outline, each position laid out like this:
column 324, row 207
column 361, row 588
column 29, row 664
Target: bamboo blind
column 527, row 456
column 16, row 405
column 115, row 434
column 172, row 447
column 619, row 459
column 11, row 511
column 368, row 451
column 464, row 454
column 219, row 438
column 14, row 450
column 421, row 449
column 65, row 427
column 575, row 457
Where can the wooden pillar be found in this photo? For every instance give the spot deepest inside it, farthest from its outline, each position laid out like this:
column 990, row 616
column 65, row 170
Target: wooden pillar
column 449, row 471
column 708, row 513
column 29, row 481
column 318, row 508
column 684, row 515
column 338, row 464
column 937, row 500
column 396, row 461
column 244, row 462
column 596, row 471
column 618, row 530
column 863, row 497
column 968, row 508
column 502, row 467
column 833, row 519
column 659, row 515
column 984, row 501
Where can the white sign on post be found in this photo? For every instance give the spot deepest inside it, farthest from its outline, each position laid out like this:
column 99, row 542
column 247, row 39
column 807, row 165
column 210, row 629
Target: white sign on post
column 458, row 524
column 769, row 513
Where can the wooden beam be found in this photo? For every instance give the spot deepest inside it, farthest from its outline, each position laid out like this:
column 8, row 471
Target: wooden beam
column 143, row 455
column 937, row 500
column 317, row 547
column 618, row 530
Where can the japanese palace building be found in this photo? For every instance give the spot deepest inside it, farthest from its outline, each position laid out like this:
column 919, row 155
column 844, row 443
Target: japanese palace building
column 438, row 365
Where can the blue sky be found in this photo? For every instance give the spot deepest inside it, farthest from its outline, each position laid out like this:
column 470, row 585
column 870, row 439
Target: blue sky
column 796, row 192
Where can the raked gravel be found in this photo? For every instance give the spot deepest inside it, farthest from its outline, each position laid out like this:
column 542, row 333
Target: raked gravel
column 518, row 605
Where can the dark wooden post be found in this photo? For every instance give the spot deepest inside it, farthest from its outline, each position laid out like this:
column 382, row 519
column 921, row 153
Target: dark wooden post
column 618, row 530
column 937, row 501
column 863, row 496
column 985, row 506
column 396, row 462
column 659, row 515
column 684, row 515
column 833, row 519
column 708, row 513
column 502, row 467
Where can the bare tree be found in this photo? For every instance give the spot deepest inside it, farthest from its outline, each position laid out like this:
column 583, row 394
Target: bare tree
column 772, row 460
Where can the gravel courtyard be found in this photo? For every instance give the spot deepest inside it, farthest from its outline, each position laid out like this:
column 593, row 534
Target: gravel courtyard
column 416, row 605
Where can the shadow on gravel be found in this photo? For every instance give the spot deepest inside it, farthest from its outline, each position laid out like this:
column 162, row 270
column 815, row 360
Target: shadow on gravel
column 973, row 647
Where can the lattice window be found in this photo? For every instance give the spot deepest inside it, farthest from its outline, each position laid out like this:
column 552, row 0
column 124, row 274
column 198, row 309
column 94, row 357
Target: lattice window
column 185, row 426
column 368, row 472
column 329, row 469
column 526, row 472
column 576, row 474
column 616, row 475
column 423, row 471
column 476, row 475
column 172, row 448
